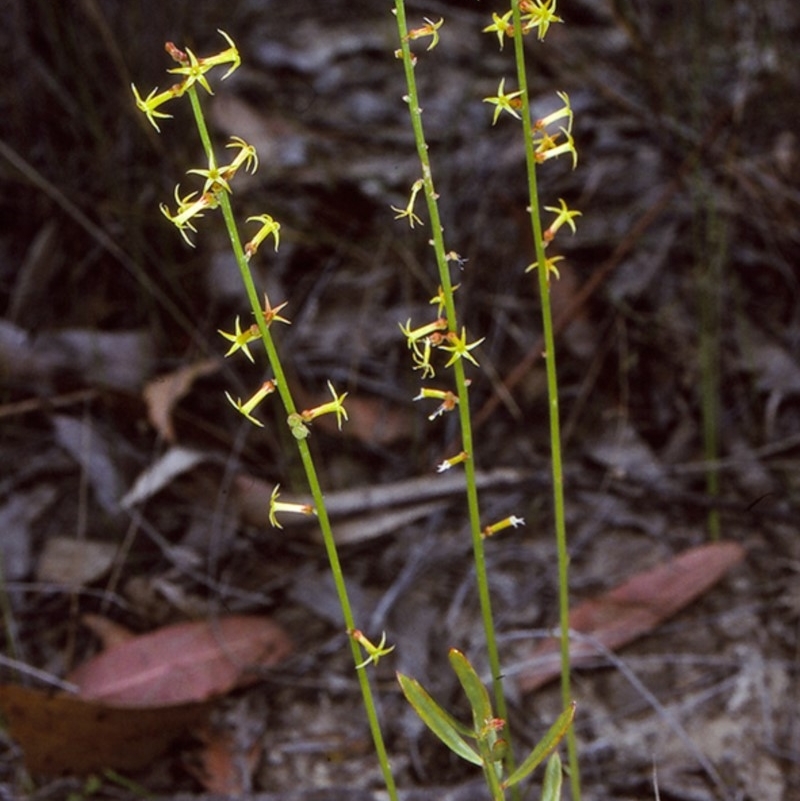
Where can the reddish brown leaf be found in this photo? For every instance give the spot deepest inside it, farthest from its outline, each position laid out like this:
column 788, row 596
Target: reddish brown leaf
column 162, row 394
column 109, row 632
column 60, row 734
column 634, row 608
column 183, row 663
column 222, row 765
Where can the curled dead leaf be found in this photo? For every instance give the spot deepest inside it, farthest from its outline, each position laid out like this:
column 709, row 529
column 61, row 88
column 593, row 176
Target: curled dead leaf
column 164, row 392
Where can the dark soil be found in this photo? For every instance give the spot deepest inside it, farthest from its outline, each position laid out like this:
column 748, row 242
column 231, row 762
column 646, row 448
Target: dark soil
column 678, row 304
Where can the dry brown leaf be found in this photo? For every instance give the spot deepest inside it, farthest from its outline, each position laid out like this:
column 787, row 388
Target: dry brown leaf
column 222, row 766
column 163, row 393
column 633, row 609
column 108, row 631
column 60, row 734
column 74, row 562
column 183, row 663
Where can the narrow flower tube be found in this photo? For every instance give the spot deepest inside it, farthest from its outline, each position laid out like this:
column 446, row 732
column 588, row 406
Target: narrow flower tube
column 246, row 408
column 276, row 506
column 507, row 522
column 336, row 406
column 449, row 400
column 459, row 458
column 269, row 227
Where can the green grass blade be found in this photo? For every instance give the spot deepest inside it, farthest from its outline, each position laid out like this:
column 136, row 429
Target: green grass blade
column 551, row 789
column 440, row 722
column 544, row 747
column 476, row 692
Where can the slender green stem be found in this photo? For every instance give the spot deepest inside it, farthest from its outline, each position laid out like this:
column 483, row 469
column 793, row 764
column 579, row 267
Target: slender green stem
column 708, row 245
column 465, row 420
column 305, row 456
column 709, row 255
column 552, row 394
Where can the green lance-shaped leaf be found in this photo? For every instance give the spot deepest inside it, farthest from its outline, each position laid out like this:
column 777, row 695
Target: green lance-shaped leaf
column 551, row 789
column 477, row 693
column 544, row 747
column 440, row 722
